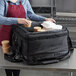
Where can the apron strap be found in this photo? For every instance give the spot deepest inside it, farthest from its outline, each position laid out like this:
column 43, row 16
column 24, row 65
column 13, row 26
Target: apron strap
column 9, row 2
column 20, row 3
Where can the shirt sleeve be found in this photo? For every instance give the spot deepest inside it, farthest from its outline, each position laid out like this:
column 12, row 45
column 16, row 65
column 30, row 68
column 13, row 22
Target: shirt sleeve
column 5, row 20
column 32, row 15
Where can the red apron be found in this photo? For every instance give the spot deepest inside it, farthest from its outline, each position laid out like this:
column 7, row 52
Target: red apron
column 15, row 11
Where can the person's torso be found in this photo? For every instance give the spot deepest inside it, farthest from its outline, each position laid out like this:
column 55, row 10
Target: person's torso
column 24, row 3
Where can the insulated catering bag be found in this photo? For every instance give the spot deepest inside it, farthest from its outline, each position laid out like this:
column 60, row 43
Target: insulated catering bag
column 40, row 47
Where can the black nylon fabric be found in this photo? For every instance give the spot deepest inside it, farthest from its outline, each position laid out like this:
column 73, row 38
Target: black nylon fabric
column 41, row 47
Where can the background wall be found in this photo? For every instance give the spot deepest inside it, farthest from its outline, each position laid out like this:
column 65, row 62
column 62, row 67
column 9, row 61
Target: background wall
column 66, row 5
column 62, row 5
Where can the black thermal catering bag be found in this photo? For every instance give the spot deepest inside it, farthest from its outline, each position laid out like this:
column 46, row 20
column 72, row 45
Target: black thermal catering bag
column 41, row 47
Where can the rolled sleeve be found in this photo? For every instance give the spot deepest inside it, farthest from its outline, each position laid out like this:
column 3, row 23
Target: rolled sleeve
column 32, row 15
column 36, row 17
column 8, row 21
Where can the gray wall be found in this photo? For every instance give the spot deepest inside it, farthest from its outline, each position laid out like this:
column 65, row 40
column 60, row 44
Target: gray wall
column 41, row 3
column 62, row 5
column 66, row 5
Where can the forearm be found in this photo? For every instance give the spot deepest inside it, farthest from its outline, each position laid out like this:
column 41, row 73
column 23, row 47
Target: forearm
column 8, row 21
column 35, row 17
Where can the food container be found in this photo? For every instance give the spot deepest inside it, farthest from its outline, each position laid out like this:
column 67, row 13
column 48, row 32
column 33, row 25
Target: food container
column 5, row 43
column 6, row 50
column 36, row 29
column 5, row 46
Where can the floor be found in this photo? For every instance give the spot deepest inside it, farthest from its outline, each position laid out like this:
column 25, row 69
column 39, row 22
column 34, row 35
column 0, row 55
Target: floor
column 39, row 73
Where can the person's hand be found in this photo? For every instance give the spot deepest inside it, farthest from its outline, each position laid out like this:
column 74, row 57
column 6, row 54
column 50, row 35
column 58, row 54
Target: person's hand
column 24, row 21
column 29, row 25
column 50, row 19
